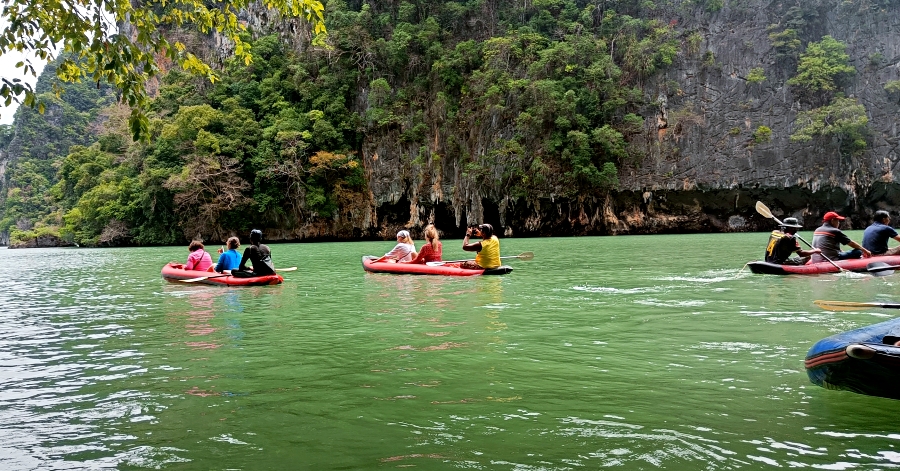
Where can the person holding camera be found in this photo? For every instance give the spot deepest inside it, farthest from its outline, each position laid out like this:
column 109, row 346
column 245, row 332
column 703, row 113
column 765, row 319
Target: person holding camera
column 488, row 248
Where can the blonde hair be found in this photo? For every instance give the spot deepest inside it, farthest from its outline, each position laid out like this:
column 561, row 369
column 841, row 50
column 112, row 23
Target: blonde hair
column 404, row 235
column 431, row 235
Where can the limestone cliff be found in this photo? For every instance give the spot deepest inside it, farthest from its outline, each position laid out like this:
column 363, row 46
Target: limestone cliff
column 702, row 168
column 698, row 163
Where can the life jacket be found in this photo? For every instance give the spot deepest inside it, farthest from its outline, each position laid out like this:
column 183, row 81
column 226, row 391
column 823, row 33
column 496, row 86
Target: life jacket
column 489, row 256
column 774, row 237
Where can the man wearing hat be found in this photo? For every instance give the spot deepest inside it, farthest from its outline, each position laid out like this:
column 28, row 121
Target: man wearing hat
column 782, row 244
column 876, row 236
column 829, row 238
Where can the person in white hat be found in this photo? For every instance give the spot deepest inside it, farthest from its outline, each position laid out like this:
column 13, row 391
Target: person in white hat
column 783, row 244
column 404, row 251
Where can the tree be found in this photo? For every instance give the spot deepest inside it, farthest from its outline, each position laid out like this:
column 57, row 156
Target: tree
column 844, row 119
column 120, row 42
column 823, row 66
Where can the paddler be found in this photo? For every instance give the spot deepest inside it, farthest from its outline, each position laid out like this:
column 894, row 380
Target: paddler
column 488, row 248
column 829, row 238
column 259, row 255
column 783, row 244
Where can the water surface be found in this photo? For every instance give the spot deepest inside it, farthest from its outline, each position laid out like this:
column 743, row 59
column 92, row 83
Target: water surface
column 616, row 352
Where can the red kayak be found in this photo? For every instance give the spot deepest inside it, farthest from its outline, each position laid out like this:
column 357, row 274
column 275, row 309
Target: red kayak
column 449, row 269
column 175, row 272
column 854, row 264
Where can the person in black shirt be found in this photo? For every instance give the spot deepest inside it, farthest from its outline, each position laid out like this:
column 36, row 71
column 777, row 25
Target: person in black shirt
column 783, row 244
column 259, row 255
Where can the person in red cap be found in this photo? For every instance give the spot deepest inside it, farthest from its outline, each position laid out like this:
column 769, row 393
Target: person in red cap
column 829, row 238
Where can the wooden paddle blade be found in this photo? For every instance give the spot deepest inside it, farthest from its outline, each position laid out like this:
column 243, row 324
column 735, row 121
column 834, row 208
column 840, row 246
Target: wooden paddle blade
column 763, row 210
column 526, row 256
column 286, row 269
column 851, row 306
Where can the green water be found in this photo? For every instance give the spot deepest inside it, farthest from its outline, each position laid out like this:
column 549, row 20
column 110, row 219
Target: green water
column 637, row 352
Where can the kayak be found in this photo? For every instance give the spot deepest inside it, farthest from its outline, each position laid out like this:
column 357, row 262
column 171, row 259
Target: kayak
column 449, row 269
column 853, row 264
column 174, row 272
column 863, row 361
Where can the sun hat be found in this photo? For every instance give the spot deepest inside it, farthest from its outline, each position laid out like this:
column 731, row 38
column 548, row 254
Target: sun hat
column 791, row 222
column 832, row 215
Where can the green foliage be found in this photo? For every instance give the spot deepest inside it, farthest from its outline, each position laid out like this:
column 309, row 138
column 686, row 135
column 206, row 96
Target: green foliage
column 786, row 43
column 844, row 119
column 17, row 236
column 823, row 66
column 762, row 134
column 527, row 101
column 735, row 131
column 96, row 52
column 693, row 41
column 892, row 86
column 756, row 75
column 713, row 6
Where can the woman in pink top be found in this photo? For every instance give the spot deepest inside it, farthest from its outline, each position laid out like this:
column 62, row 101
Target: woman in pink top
column 432, row 250
column 199, row 259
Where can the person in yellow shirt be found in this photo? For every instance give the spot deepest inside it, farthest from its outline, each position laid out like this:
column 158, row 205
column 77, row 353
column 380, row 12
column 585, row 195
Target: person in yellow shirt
column 488, row 248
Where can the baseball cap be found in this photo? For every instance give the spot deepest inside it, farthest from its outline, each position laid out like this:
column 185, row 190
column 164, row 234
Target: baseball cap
column 832, row 215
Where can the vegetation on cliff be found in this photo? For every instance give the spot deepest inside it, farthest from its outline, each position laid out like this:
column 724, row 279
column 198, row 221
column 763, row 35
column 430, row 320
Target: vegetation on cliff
column 546, row 98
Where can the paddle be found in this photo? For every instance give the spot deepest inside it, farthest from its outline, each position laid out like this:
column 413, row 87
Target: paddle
column 201, row 278
column 192, row 280
column 881, row 268
column 764, row 211
column 851, row 306
column 521, row 256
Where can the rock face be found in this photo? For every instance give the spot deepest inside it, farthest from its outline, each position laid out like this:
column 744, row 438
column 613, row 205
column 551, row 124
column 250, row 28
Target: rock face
column 42, row 241
column 702, row 169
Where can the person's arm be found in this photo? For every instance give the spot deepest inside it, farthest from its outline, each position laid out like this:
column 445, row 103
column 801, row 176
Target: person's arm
column 896, row 237
column 244, row 259
column 415, row 260
column 191, row 261
column 865, row 251
column 807, row 253
column 419, row 257
column 387, row 256
column 476, row 247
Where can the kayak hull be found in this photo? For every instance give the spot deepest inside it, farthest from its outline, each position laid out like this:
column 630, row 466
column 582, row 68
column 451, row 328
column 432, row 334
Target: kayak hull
column 855, row 264
column 450, row 269
column 174, row 273
column 863, row 361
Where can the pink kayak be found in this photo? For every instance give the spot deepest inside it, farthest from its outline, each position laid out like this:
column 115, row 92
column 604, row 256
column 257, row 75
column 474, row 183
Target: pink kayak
column 175, row 272
column 448, row 269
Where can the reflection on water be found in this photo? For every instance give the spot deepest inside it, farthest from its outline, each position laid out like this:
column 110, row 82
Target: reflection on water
column 568, row 362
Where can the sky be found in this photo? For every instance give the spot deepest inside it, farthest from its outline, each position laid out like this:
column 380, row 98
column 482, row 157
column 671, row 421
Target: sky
column 9, row 71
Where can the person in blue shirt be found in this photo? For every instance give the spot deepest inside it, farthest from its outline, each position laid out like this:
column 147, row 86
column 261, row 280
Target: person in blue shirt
column 230, row 259
column 875, row 237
